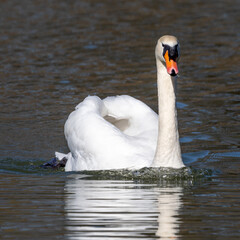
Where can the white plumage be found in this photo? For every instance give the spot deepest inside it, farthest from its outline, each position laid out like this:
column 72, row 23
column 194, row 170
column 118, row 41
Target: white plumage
column 123, row 132
column 116, row 132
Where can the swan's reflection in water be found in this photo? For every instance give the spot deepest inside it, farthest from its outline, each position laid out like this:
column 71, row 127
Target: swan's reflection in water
column 120, row 210
column 169, row 203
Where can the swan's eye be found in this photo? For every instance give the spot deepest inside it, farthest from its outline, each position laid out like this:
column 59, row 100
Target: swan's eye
column 163, row 45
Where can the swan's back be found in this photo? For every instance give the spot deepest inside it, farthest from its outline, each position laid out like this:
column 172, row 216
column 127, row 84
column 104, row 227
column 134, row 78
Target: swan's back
column 117, row 132
column 136, row 114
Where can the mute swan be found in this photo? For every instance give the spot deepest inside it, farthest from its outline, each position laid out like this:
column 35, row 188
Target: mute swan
column 123, row 132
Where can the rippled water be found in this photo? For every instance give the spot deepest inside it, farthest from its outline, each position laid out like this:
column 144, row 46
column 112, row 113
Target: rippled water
column 55, row 53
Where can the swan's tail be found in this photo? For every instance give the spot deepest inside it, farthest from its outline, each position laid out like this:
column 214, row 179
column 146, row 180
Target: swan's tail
column 60, row 156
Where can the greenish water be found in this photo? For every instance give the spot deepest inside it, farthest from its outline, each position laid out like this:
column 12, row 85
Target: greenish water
column 150, row 174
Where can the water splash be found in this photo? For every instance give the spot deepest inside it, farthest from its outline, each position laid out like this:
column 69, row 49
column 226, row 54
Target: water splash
column 149, row 174
column 142, row 175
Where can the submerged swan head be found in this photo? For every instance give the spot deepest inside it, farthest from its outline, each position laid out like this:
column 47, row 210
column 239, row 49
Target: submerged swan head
column 167, row 52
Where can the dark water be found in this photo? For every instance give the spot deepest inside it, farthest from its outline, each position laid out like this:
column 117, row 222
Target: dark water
column 55, row 53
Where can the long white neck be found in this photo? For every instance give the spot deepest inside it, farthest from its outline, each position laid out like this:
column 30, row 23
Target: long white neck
column 168, row 151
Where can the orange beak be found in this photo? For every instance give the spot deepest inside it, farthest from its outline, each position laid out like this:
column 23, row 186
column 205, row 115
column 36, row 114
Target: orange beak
column 171, row 65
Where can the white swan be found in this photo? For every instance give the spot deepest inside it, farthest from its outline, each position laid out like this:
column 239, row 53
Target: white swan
column 123, row 132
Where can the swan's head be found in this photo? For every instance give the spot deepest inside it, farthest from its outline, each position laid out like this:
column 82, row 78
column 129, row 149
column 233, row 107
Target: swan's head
column 167, row 51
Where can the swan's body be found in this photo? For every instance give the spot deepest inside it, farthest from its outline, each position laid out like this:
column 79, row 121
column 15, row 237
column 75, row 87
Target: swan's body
column 110, row 134
column 122, row 132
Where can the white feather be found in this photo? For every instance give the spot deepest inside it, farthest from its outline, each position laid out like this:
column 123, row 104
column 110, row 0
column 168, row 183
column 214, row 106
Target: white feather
column 96, row 143
column 122, row 132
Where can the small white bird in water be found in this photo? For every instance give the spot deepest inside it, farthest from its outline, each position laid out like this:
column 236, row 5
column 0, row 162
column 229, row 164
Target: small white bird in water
column 123, row 132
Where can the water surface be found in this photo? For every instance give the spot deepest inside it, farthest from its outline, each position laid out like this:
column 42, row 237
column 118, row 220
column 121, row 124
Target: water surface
column 54, row 54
